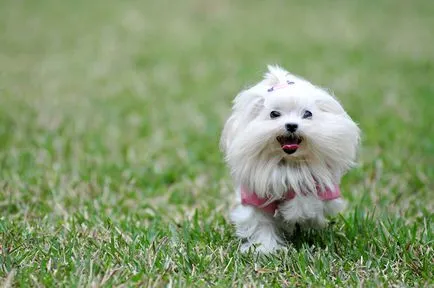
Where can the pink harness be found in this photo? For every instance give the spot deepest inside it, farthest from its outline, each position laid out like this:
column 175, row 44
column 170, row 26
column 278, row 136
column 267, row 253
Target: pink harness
column 250, row 198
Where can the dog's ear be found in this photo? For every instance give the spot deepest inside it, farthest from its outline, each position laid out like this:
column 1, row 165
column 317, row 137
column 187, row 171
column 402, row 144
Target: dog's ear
column 247, row 106
column 329, row 104
column 228, row 132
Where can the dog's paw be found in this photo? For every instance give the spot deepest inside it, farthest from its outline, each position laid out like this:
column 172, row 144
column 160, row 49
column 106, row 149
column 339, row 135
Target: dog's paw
column 335, row 206
column 260, row 248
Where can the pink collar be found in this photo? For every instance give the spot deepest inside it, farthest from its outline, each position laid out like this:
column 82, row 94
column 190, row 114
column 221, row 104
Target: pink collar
column 250, row 198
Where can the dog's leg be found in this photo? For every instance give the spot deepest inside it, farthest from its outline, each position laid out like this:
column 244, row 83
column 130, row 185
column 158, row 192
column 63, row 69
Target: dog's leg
column 257, row 228
column 306, row 211
column 330, row 208
column 309, row 212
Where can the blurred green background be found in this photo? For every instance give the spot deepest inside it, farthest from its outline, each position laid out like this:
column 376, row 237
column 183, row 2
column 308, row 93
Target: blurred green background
column 110, row 117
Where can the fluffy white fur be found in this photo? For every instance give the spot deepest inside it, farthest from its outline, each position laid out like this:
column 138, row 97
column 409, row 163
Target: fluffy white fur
column 257, row 161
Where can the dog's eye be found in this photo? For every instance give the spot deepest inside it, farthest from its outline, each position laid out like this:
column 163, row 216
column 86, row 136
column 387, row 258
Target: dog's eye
column 274, row 114
column 307, row 114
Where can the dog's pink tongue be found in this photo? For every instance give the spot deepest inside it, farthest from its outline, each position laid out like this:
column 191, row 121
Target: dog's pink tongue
column 290, row 146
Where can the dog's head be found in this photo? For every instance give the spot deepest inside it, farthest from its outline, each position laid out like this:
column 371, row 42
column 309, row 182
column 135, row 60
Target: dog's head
column 287, row 118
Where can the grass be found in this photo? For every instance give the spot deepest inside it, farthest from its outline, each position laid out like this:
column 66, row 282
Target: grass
column 110, row 115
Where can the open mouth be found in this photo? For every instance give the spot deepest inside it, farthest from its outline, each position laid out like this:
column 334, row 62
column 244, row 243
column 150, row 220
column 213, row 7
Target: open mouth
column 289, row 143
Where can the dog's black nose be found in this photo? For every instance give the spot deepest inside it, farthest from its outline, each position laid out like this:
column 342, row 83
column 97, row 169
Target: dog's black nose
column 291, row 127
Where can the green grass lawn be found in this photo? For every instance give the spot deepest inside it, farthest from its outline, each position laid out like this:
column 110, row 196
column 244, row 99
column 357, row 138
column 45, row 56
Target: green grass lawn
column 110, row 117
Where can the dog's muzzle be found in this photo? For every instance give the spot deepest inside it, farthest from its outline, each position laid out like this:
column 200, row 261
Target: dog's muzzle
column 289, row 142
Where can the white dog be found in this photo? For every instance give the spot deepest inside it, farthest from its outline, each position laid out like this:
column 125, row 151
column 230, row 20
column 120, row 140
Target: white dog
column 288, row 143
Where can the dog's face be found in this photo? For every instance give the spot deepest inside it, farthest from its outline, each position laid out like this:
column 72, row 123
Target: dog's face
column 287, row 118
column 287, row 121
